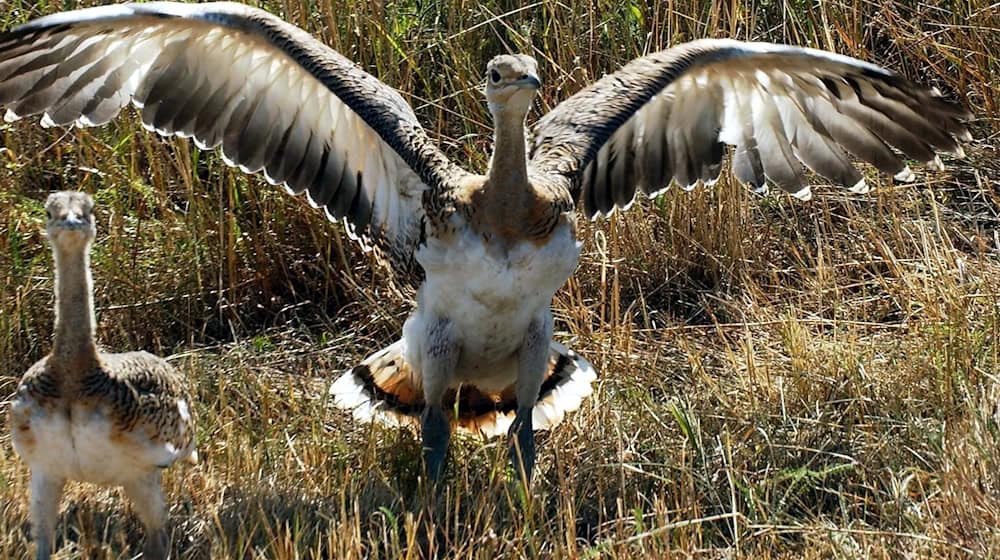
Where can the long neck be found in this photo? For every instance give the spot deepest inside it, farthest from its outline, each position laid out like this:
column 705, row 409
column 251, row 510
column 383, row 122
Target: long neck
column 74, row 330
column 509, row 168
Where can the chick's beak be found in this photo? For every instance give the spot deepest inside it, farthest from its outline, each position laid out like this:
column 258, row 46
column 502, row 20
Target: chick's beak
column 529, row 81
column 73, row 221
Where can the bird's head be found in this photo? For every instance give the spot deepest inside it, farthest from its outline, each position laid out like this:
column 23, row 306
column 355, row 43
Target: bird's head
column 511, row 83
column 70, row 220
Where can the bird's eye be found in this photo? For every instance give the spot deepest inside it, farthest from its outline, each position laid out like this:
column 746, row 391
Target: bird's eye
column 48, row 214
column 495, row 76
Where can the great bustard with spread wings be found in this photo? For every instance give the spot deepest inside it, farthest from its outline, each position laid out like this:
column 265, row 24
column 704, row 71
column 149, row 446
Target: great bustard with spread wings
column 488, row 251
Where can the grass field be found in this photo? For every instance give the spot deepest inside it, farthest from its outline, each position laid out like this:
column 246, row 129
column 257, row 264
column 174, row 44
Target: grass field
column 778, row 379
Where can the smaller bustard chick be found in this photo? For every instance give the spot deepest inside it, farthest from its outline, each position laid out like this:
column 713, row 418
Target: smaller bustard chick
column 82, row 414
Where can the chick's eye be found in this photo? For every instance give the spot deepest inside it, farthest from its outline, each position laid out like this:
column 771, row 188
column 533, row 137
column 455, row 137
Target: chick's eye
column 494, row 76
column 48, row 214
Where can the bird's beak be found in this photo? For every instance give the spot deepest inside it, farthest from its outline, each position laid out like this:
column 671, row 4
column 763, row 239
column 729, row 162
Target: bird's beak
column 73, row 221
column 529, row 81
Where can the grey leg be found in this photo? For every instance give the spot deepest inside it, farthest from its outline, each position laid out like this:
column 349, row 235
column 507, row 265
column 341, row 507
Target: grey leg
column 146, row 495
column 46, row 491
column 531, row 362
column 440, row 357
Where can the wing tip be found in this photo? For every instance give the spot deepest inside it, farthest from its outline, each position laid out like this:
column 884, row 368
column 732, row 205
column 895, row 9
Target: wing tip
column 905, row 175
column 804, row 194
column 936, row 164
column 861, row 187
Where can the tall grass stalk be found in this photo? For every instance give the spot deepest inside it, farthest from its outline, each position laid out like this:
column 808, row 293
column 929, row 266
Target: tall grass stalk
column 778, row 379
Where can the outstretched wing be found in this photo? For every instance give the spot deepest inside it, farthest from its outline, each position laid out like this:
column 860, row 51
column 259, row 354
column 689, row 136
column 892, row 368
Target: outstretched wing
column 230, row 76
column 668, row 116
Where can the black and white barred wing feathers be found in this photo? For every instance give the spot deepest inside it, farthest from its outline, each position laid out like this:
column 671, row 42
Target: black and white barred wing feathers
column 265, row 92
column 668, row 116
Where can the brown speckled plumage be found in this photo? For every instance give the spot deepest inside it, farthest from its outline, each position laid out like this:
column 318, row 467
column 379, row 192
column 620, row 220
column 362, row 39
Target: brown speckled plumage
column 137, row 391
column 141, row 392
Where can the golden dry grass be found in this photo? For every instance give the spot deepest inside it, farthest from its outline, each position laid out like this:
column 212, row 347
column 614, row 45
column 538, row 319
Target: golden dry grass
column 778, row 379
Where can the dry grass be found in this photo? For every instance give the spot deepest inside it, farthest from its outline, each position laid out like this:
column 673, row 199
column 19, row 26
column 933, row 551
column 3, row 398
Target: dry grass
column 779, row 379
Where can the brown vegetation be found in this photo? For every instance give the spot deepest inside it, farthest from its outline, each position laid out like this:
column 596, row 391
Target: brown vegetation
column 778, row 379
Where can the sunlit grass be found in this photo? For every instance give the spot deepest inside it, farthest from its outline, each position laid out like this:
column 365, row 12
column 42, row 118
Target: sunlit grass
column 778, row 379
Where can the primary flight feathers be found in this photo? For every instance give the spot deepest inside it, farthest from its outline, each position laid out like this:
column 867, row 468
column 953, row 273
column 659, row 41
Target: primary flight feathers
column 276, row 100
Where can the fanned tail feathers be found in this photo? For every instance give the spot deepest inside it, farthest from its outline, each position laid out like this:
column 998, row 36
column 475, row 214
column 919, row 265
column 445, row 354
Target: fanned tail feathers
column 384, row 388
